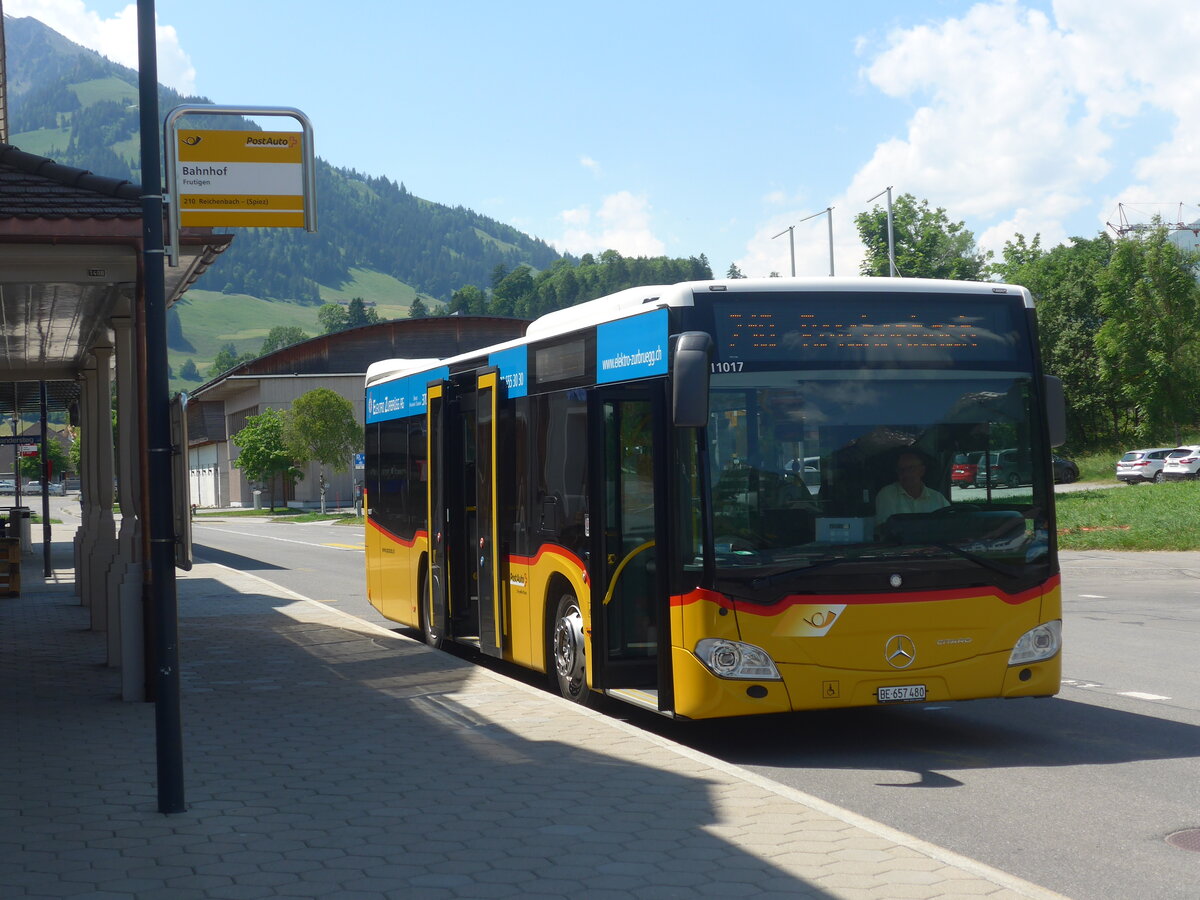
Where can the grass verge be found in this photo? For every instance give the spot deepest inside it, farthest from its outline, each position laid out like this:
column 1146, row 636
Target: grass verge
column 1145, row 517
column 284, row 515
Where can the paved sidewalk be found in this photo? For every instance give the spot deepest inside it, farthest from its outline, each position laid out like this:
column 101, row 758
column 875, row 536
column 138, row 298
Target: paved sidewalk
column 327, row 757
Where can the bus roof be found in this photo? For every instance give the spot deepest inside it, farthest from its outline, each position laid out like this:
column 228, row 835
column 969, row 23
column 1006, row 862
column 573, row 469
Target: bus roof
column 386, row 368
column 635, row 300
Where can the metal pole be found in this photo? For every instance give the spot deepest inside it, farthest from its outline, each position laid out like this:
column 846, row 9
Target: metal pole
column 16, row 449
column 46, row 568
column 830, row 211
column 891, row 232
column 891, row 238
column 791, row 232
column 167, row 718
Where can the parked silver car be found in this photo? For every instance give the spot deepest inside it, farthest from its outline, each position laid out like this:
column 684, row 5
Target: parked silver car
column 1137, row 466
column 54, row 488
column 1182, row 463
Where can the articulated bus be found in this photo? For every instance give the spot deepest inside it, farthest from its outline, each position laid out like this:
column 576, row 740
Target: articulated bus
column 672, row 496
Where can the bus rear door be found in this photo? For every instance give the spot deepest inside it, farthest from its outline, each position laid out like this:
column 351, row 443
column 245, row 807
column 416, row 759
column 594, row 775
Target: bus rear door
column 464, row 593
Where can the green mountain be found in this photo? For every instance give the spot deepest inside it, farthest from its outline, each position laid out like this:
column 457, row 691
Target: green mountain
column 80, row 109
column 376, row 241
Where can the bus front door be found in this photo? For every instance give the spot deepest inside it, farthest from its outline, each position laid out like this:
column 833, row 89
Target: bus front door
column 630, row 606
column 463, row 602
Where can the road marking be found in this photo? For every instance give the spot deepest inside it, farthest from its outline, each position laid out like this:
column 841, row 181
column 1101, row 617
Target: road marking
column 1094, row 686
column 1138, row 695
column 270, row 537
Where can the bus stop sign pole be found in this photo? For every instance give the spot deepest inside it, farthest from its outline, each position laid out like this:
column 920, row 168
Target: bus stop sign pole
column 164, row 602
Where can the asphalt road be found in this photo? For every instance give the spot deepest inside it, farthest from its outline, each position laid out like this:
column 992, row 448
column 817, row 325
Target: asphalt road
column 1077, row 793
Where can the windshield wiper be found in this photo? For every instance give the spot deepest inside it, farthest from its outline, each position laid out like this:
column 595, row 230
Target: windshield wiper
column 775, row 577
column 982, row 561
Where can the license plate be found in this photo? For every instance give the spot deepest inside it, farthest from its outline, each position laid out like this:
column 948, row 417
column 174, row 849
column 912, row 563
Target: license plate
column 902, row 693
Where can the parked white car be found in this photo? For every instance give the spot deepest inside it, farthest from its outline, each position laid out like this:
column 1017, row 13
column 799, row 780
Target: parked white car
column 1137, row 466
column 1182, row 463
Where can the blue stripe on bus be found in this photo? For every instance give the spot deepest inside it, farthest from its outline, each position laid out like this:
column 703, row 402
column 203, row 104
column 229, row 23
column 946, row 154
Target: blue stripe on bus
column 403, row 396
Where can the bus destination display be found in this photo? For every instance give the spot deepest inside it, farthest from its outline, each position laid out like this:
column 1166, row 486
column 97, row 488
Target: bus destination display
column 858, row 329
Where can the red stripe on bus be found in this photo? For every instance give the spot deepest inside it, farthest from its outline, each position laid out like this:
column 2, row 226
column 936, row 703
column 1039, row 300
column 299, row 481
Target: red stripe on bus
column 775, row 609
column 550, row 550
column 410, row 543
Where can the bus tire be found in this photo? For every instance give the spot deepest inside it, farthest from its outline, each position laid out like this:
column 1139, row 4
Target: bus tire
column 432, row 637
column 568, row 659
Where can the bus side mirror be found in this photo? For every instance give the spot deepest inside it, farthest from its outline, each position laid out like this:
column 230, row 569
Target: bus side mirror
column 1056, row 410
column 693, row 350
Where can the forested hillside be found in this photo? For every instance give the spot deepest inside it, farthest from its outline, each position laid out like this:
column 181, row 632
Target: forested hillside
column 393, row 252
column 71, row 104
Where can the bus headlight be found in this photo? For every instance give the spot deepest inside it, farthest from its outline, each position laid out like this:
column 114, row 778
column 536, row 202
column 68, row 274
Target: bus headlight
column 1038, row 644
column 733, row 659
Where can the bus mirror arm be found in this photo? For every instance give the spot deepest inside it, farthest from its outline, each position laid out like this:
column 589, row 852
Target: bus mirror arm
column 691, row 365
column 1056, row 410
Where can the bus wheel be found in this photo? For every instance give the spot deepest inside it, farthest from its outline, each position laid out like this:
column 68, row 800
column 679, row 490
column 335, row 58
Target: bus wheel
column 569, row 657
column 432, row 637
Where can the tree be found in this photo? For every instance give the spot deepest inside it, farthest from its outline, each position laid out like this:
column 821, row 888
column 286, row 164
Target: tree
column 734, row 271
column 417, row 309
column 60, row 462
column 927, row 243
column 175, row 338
column 320, row 427
column 188, row 371
column 226, row 358
column 332, row 318
column 263, row 452
column 358, row 313
column 1150, row 340
column 513, row 294
column 282, row 336
column 468, row 300
column 1065, row 283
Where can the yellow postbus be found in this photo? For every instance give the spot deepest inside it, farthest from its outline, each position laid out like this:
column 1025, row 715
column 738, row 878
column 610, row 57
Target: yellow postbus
column 734, row 497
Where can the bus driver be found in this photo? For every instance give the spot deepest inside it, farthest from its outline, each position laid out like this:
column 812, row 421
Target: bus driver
column 908, row 493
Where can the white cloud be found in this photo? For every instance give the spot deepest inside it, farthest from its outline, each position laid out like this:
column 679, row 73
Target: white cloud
column 1004, row 125
column 1140, row 48
column 590, row 164
column 114, row 37
column 622, row 223
column 1017, row 119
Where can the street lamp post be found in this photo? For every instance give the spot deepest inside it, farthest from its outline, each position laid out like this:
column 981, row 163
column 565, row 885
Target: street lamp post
column 895, row 273
column 791, row 233
column 827, row 211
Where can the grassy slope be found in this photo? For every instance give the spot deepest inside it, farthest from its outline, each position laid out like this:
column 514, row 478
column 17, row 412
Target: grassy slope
column 211, row 319
column 100, row 89
column 45, row 142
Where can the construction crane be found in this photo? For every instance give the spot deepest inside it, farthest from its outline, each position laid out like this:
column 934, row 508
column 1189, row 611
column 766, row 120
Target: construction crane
column 1124, row 226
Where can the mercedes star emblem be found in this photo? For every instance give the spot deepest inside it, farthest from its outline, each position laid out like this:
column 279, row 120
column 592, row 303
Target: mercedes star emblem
column 900, row 651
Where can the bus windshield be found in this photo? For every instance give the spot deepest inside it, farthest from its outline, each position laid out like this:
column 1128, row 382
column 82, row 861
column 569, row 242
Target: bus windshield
column 814, row 467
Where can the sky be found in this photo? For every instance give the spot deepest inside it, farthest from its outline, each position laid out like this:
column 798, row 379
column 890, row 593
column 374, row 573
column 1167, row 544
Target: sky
column 682, row 128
